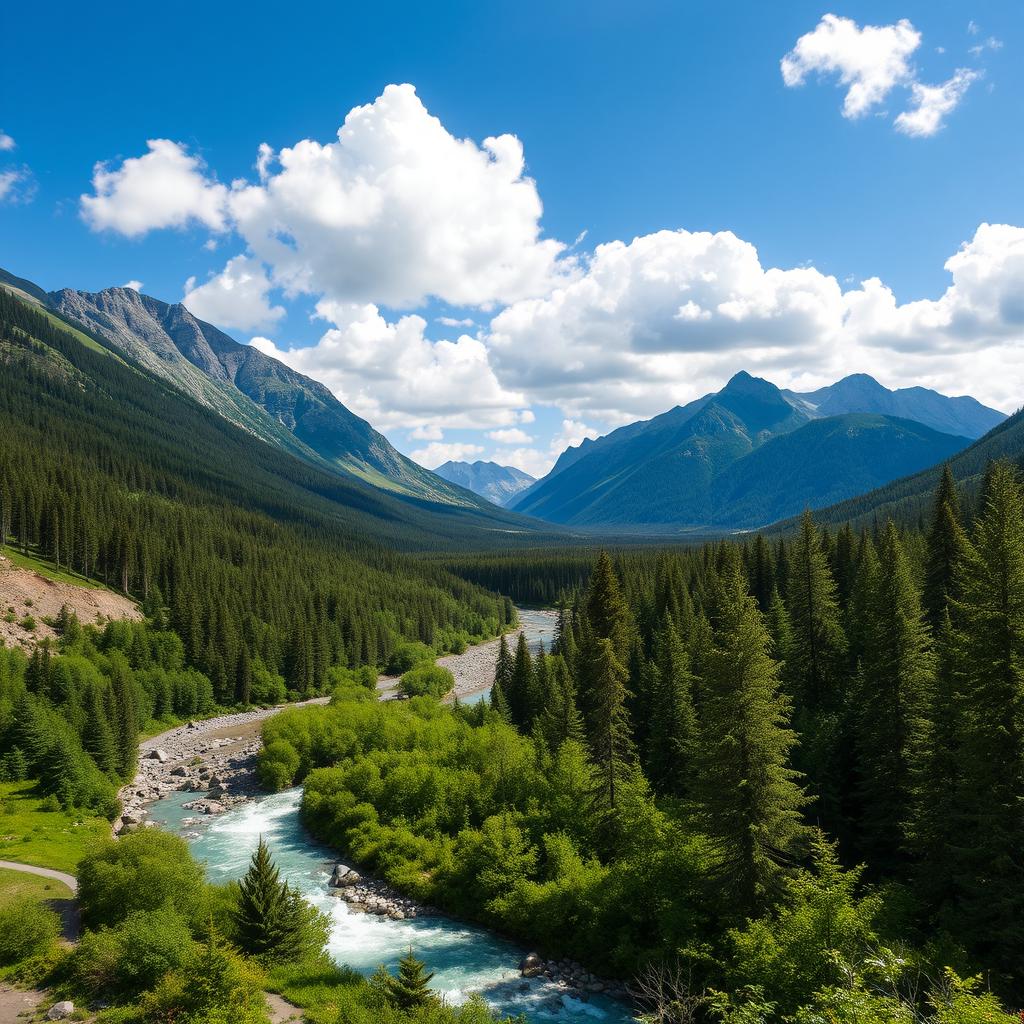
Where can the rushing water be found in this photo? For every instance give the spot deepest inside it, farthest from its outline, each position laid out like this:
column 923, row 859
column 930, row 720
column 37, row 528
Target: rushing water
column 465, row 958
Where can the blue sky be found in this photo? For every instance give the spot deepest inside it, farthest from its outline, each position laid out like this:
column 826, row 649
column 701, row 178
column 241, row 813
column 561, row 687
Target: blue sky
column 654, row 122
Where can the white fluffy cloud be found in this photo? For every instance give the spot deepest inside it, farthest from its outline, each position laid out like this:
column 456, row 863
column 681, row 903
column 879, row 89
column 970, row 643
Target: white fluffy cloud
column 6, row 142
column 17, row 185
column 395, row 376
column 869, row 61
column 672, row 315
column 136, row 286
column 932, row 103
column 537, row 461
column 398, row 209
column 236, row 297
column 165, row 188
column 510, row 435
column 434, row 455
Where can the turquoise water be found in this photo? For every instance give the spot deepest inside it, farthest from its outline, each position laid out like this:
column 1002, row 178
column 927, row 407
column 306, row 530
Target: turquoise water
column 465, row 959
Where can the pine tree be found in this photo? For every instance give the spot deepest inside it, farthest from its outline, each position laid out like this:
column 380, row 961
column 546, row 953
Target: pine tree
column 561, row 720
column 410, row 990
column 267, row 918
column 609, row 734
column 946, row 543
column 989, row 617
column 502, row 687
column 747, row 797
column 897, row 674
column 519, row 692
column 607, row 612
column 97, row 737
column 673, row 720
column 819, row 644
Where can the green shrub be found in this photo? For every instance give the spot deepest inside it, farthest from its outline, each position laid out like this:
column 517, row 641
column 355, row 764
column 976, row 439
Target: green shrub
column 146, row 870
column 278, row 765
column 27, row 929
column 427, row 681
column 408, row 654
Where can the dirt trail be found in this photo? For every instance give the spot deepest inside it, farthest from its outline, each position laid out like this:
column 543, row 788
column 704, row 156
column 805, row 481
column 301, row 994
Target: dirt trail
column 26, row 594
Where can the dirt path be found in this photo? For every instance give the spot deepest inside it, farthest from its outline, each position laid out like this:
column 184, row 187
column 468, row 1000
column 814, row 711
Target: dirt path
column 66, row 907
column 17, row 1004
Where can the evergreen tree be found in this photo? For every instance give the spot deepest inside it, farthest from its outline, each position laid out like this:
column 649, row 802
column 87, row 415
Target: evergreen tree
column 561, row 720
column 989, row 616
column 946, row 543
column 267, row 919
column 747, row 797
column 896, row 678
column 611, row 743
column 519, row 693
column 819, row 644
column 97, row 737
column 607, row 612
column 410, row 990
column 673, row 721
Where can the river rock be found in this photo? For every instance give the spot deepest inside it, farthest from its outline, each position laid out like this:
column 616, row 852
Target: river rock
column 180, row 772
column 531, row 965
column 61, row 1011
column 158, row 755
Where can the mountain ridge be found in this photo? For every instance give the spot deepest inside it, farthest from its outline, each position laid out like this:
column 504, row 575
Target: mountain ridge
column 497, row 483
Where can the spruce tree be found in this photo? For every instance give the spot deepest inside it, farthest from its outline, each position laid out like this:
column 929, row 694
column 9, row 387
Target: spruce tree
column 267, row 919
column 747, row 797
column 560, row 719
column 609, row 734
column 410, row 989
column 819, row 643
column 97, row 737
column 673, row 721
column 946, row 542
column 607, row 612
column 519, row 692
column 989, row 617
column 896, row 678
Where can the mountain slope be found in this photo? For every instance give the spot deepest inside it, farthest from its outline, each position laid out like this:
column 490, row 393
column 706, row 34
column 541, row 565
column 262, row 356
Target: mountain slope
column 734, row 459
column 260, row 394
column 908, row 498
column 963, row 416
column 498, row 484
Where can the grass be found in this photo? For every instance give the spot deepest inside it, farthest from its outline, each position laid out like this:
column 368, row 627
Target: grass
column 47, row 839
column 15, row 886
column 49, row 570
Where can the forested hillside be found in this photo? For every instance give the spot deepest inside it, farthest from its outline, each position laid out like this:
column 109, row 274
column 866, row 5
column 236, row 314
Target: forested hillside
column 262, row 561
column 788, row 771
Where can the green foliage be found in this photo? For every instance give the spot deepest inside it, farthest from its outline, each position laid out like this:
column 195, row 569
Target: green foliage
column 427, row 681
column 410, row 989
column 144, row 871
column 27, row 929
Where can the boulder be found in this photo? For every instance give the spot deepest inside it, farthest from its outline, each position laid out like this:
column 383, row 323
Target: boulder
column 531, row 965
column 158, row 755
column 61, row 1011
column 180, row 772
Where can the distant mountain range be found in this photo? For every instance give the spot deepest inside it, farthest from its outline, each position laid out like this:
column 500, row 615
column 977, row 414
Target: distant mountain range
column 498, row 484
column 252, row 390
column 752, row 454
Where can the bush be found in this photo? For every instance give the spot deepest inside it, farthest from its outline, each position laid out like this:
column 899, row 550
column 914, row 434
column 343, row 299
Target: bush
column 133, row 957
column 278, row 765
column 408, row 654
column 146, row 870
column 427, row 681
column 27, row 929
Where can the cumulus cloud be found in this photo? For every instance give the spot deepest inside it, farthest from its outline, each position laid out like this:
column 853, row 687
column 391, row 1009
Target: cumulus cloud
column 136, row 286
column 165, row 188
column 626, row 340
column 398, row 209
column 450, row 321
column 234, row 298
column 869, row 61
column 396, row 377
column 426, row 432
column 933, row 103
column 434, row 455
column 17, row 185
column 6, row 142
column 537, row 461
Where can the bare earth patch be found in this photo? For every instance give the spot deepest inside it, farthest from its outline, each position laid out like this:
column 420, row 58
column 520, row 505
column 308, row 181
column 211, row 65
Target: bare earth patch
column 26, row 594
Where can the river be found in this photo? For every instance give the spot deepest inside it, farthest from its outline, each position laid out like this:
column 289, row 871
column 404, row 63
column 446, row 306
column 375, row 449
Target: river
column 464, row 958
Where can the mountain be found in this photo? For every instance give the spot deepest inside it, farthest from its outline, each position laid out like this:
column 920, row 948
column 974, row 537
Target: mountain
column 907, row 499
column 964, row 416
column 257, row 392
column 731, row 460
column 253, row 390
column 498, row 484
